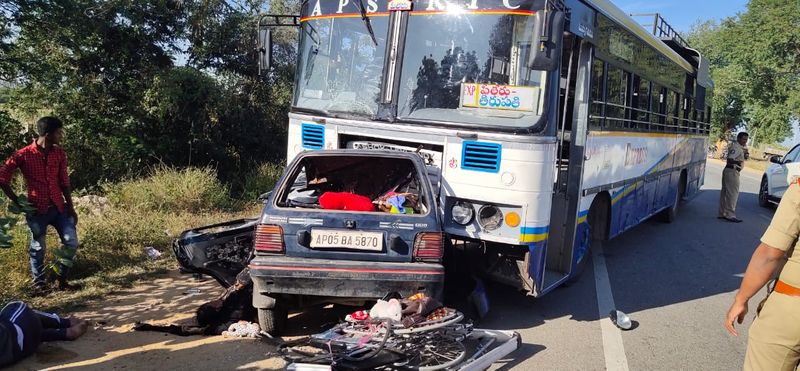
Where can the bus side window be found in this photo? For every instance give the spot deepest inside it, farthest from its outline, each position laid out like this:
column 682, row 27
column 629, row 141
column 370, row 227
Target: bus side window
column 641, row 103
column 597, row 98
column 669, row 113
column 656, row 110
column 686, row 113
column 617, row 84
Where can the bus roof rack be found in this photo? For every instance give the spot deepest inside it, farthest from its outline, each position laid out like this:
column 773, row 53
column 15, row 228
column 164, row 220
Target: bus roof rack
column 662, row 30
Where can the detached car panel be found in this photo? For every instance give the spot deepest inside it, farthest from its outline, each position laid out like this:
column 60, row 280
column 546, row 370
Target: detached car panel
column 220, row 250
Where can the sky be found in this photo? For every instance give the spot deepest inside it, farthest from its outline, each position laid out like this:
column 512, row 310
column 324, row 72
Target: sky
column 682, row 14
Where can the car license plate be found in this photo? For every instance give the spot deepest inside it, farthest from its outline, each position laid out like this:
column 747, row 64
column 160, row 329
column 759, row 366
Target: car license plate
column 339, row 239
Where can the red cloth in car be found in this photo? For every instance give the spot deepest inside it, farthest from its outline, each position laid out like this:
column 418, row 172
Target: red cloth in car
column 345, row 201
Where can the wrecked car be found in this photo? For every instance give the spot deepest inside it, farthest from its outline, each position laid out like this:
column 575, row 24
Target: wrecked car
column 345, row 227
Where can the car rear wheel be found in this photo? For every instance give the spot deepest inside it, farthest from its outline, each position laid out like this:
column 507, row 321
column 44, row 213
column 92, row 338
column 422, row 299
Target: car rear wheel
column 763, row 193
column 272, row 321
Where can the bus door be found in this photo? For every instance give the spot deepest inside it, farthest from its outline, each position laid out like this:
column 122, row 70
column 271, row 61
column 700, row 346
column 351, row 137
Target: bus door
column 573, row 113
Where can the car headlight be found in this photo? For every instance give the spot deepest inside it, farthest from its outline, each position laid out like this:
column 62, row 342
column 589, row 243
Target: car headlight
column 490, row 217
column 462, row 212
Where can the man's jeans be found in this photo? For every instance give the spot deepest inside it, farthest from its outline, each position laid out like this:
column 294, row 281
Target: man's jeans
column 65, row 226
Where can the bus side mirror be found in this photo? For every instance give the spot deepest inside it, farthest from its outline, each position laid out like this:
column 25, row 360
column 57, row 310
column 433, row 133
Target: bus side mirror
column 548, row 31
column 264, row 50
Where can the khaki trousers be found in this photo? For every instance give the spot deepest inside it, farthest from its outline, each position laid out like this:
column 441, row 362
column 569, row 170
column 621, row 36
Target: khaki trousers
column 729, row 194
column 773, row 342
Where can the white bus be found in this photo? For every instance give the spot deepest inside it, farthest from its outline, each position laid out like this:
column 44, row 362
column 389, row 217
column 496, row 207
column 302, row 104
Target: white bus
column 547, row 126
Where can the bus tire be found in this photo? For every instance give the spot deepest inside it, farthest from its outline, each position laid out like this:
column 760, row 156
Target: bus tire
column 671, row 213
column 597, row 220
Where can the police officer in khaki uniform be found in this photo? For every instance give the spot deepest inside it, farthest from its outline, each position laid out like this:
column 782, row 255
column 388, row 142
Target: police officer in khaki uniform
column 737, row 153
column 774, row 340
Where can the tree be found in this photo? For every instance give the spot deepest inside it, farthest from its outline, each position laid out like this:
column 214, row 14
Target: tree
column 755, row 60
column 108, row 69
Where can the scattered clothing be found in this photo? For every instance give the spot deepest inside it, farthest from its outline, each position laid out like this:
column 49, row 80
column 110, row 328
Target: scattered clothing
column 345, row 201
column 243, row 329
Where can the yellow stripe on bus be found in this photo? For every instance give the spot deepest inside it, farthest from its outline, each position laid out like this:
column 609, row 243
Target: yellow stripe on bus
column 533, row 237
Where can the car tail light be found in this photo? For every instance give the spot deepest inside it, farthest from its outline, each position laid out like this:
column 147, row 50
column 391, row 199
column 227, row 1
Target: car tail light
column 429, row 246
column 269, row 239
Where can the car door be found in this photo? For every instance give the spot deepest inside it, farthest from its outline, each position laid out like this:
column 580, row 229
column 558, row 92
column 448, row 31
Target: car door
column 781, row 175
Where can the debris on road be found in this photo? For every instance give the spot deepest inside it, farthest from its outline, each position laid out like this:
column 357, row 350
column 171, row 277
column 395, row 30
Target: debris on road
column 152, row 253
column 429, row 336
column 243, row 329
column 621, row 320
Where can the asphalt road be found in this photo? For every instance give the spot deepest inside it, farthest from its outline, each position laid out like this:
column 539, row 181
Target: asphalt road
column 676, row 281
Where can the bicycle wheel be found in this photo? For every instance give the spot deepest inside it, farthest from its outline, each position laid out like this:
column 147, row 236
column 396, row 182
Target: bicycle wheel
column 435, row 352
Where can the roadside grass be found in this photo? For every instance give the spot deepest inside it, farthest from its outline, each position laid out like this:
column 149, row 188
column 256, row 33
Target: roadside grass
column 261, row 179
column 757, row 164
column 114, row 231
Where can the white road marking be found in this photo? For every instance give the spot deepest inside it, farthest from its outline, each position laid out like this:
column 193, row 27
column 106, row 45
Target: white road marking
column 613, row 349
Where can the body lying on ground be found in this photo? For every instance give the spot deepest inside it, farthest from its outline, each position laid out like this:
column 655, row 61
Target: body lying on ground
column 216, row 316
column 22, row 329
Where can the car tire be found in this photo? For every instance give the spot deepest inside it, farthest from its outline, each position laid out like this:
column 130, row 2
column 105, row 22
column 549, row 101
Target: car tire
column 763, row 193
column 272, row 321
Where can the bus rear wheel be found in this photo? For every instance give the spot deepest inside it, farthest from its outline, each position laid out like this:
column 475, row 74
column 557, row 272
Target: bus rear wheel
column 671, row 213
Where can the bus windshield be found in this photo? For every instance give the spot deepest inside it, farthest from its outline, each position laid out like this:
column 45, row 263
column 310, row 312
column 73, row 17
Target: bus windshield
column 464, row 62
column 340, row 66
column 471, row 68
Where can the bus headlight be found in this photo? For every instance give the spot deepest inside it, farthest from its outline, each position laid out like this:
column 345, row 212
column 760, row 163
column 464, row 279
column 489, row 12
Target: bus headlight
column 490, row 217
column 462, row 212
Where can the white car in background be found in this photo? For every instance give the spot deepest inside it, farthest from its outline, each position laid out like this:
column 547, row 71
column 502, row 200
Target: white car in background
column 782, row 172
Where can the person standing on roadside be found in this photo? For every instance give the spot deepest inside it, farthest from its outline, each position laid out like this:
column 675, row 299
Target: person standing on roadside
column 43, row 164
column 774, row 338
column 737, row 153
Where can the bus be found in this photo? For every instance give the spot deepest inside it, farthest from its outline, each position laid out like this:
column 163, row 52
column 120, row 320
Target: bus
column 547, row 126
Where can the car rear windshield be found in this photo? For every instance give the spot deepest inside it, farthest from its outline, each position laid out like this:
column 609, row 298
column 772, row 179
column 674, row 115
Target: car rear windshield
column 356, row 184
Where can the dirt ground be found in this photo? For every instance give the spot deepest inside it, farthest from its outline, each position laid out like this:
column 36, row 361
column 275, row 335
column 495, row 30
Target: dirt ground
column 110, row 343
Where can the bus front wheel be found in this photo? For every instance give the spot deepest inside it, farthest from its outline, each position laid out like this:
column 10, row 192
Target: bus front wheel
column 595, row 233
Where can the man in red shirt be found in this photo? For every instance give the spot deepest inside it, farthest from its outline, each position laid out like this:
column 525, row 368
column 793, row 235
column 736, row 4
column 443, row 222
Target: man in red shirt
column 43, row 164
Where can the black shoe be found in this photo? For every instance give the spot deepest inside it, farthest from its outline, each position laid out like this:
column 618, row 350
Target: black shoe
column 39, row 290
column 734, row 220
column 63, row 285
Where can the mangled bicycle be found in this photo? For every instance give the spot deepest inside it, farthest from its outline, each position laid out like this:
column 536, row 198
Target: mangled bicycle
column 439, row 342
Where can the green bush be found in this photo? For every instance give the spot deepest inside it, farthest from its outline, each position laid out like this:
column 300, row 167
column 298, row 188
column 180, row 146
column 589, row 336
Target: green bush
column 260, row 180
column 188, row 190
